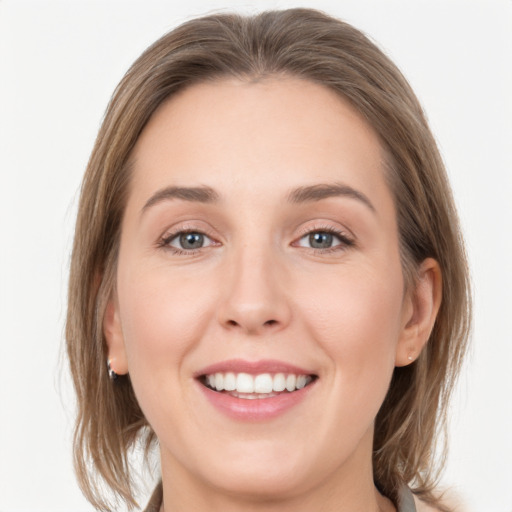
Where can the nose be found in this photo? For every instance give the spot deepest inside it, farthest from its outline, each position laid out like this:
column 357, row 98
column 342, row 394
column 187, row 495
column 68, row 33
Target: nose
column 254, row 301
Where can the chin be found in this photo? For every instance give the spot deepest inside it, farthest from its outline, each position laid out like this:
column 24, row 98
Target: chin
column 261, row 473
column 260, row 484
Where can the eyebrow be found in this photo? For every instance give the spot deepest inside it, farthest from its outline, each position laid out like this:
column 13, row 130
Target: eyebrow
column 327, row 190
column 193, row 194
column 304, row 194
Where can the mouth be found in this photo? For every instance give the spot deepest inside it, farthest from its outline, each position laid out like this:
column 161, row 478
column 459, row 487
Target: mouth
column 255, row 391
column 258, row 386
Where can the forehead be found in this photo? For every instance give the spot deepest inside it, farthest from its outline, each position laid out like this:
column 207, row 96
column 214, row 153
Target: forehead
column 262, row 136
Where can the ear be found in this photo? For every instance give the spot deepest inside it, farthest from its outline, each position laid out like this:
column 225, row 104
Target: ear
column 114, row 336
column 420, row 310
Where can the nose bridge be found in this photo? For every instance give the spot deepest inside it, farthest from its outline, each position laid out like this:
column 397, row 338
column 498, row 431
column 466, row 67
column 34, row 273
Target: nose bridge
column 254, row 300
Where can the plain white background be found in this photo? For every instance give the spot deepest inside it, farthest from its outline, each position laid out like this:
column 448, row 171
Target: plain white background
column 59, row 63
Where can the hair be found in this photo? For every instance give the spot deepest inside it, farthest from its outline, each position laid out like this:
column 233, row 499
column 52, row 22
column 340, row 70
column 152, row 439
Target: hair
column 313, row 46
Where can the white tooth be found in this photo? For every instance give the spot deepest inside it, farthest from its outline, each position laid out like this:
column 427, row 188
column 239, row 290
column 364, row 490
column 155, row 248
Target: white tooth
column 301, row 381
column 219, row 381
column 229, row 382
column 210, row 379
column 263, row 383
column 244, row 383
column 279, row 383
column 291, row 381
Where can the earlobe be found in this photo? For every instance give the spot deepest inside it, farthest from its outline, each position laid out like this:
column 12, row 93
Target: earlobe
column 423, row 304
column 114, row 337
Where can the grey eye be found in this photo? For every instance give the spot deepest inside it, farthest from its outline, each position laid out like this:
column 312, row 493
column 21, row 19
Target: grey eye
column 320, row 240
column 189, row 241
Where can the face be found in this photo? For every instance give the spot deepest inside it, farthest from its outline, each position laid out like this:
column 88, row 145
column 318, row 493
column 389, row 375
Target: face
column 259, row 255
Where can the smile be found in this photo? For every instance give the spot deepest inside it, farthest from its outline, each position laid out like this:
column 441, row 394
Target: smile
column 264, row 385
column 255, row 391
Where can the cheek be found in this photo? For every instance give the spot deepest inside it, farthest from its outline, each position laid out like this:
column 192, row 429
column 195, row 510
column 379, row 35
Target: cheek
column 357, row 320
column 162, row 318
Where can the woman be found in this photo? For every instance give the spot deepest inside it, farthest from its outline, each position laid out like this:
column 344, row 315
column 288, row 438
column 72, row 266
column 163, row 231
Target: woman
column 268, row 276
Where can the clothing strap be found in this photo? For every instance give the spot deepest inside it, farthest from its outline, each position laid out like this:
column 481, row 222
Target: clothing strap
column 406, row 500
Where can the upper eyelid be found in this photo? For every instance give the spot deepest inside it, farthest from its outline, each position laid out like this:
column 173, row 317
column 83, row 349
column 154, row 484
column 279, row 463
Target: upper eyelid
column 187, row 227
column 337, row 230
column 165, row 242
column 176, row 234
column 344, row 240
column 170, row 234
column 167, row 239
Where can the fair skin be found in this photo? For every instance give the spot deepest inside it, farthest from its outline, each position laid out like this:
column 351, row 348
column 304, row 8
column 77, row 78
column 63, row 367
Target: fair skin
column 291, row 256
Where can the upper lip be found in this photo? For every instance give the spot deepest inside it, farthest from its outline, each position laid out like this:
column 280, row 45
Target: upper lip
column 252, row 367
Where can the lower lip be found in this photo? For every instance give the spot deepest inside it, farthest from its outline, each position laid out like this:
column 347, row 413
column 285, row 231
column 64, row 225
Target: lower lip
column 259, row 409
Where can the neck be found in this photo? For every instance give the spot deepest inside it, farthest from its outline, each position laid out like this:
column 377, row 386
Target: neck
column 379, row 504
column 348, row 488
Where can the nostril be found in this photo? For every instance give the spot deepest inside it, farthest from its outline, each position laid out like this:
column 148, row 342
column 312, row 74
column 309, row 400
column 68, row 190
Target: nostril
column 269, row 323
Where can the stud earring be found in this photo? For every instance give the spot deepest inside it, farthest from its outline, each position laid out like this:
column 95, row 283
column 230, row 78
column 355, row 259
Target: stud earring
column 111, row 373
column 410, row 358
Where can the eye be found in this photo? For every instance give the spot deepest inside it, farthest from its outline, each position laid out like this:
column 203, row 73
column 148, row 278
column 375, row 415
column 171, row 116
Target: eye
column 318, row 240
column 186, row 241
column 325, row 239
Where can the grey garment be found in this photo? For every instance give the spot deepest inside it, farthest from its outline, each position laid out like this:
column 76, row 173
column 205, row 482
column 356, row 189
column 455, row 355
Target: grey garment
column 405, row 500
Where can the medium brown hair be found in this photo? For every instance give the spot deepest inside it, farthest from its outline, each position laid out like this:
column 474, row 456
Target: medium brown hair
column 313, row 46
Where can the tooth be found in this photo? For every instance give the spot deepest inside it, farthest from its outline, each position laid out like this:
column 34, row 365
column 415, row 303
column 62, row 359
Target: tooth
column 244, row 383
column 279, row 383
column 229, row 382
column 301, row 381
column 291, row 381
column 260, row 385
column 263, row 383
column 245, row 396
column 219, row 381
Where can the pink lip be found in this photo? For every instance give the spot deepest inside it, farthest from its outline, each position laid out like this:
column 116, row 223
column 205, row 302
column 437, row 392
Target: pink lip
column 252, row 367
column 258, row 409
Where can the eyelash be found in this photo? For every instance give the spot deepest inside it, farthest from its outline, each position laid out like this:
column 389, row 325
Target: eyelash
column 165, row 241
column 345, row 241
